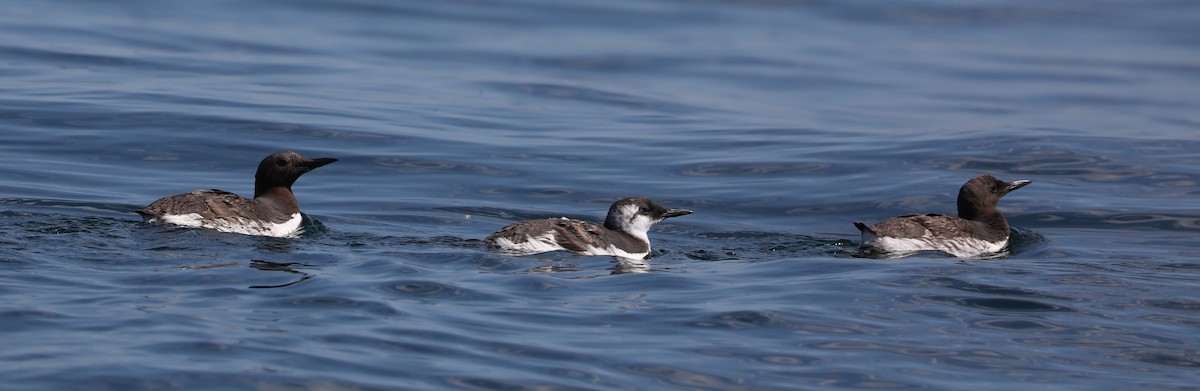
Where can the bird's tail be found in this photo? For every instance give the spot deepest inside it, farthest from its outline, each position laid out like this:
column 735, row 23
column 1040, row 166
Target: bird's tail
column 867, row 233
column 146, row 216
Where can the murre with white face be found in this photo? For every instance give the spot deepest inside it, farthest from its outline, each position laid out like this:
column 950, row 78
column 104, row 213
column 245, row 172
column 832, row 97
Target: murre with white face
column 625, row 232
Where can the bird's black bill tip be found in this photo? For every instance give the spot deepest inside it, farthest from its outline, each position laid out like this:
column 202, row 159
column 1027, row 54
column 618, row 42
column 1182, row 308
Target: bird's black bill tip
column 318, row 162
column 676, row 213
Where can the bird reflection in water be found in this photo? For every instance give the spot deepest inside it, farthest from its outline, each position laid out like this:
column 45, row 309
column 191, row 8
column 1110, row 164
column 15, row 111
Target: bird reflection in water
column 279, row 266
column 621, row 265
column 630, row 265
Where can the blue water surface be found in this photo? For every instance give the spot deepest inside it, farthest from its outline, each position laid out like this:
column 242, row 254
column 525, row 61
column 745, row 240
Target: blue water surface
column 779, row 122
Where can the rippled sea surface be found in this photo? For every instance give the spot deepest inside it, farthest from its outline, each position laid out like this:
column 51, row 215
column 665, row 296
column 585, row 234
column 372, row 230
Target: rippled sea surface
column 779, row 122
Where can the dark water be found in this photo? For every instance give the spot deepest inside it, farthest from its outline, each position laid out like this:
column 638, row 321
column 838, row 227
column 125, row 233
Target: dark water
column 779, row 122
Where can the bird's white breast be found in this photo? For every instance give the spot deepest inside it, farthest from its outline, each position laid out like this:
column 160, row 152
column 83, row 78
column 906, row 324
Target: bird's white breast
column 613, row 251
column 958, row 246
column 289, row 228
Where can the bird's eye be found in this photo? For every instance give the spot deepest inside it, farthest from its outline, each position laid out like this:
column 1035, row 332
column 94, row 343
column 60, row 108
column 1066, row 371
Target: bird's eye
column 281, row 162
column 645, row 210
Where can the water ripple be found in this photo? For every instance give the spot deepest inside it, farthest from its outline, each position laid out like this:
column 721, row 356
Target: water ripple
column 591, row 95
column 407, row 165
column 778, row 122
column 743, row 169
column 1005, row 304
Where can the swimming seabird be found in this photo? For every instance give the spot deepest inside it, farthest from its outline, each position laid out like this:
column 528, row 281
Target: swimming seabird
column 272, row 212
column 624, row 233
column 979, row 228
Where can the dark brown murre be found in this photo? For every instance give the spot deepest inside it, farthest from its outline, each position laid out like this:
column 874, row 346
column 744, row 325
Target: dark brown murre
column 624, row 233
column 979, row 228
column 272, row 212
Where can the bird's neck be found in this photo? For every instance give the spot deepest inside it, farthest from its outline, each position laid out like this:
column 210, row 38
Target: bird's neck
column 279, row 195
column 992, row 218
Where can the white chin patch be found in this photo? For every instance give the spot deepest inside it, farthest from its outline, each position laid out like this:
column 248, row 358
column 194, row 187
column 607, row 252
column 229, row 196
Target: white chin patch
column 638, row 225
column 287, row 229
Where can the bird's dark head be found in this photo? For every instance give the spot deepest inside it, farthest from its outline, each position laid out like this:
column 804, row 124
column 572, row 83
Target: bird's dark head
column 981, row 194
column 282, row 169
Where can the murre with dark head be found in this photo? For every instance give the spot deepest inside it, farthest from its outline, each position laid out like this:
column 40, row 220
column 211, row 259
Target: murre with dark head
column 272, row 212
column 979, row 229
column 624, row 233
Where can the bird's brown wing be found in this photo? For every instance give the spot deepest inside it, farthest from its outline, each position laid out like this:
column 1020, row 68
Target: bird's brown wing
column 917, row 226
column 571, row 235
column 517, row 232
column 576, row 235
column 208, row 204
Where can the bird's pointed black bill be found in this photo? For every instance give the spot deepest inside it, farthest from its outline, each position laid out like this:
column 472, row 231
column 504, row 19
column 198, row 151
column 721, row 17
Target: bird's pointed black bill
column 676, row 213
column 1016, row 185
column 318, row 162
